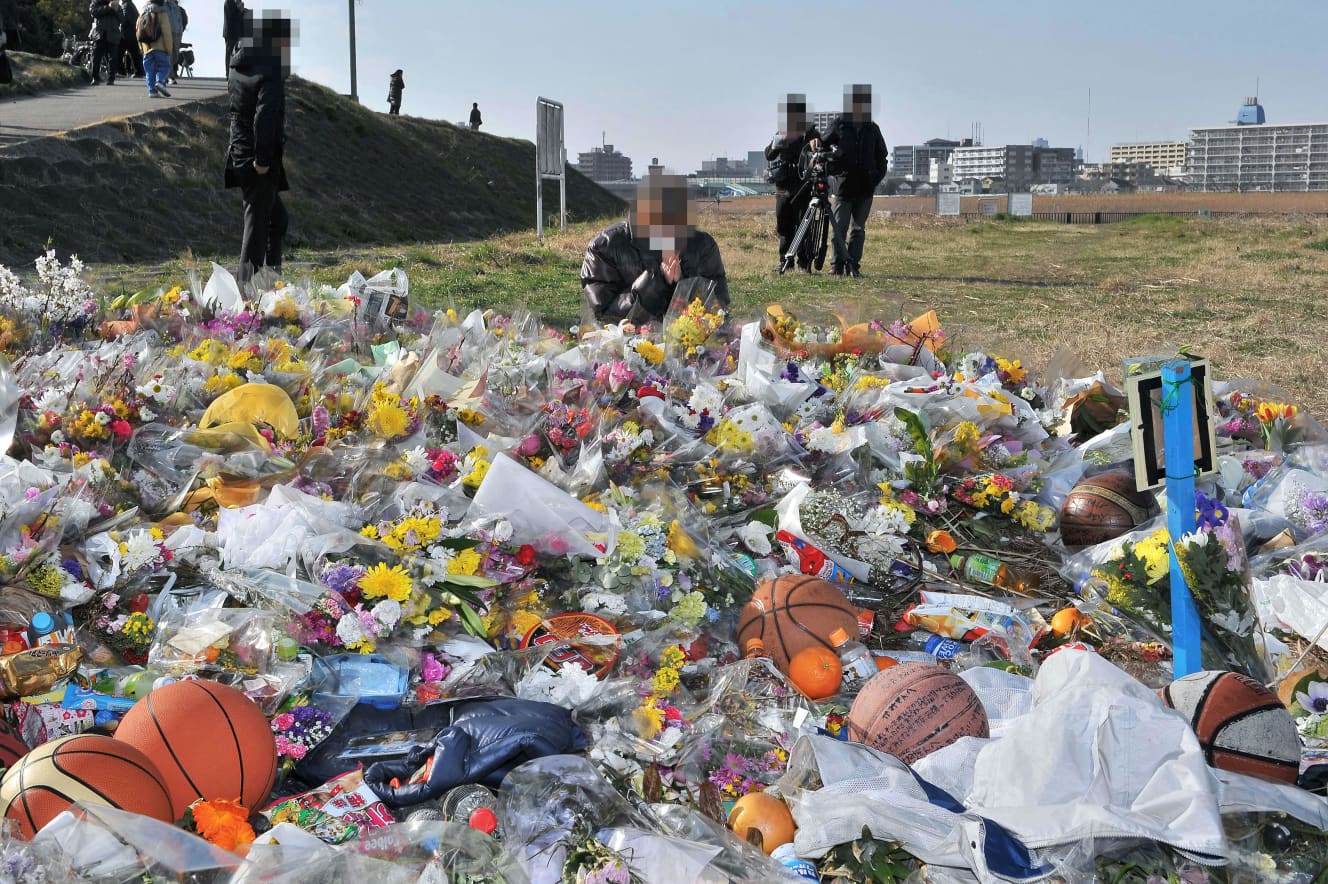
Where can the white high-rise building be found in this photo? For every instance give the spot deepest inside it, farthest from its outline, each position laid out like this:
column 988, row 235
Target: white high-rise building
column 1252, row 155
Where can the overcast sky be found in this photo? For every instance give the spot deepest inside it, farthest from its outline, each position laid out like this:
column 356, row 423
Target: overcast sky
column 688, row 80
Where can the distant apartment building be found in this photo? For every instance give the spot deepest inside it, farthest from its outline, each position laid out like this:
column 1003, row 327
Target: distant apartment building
column 913, row 161
column 723, row 167
column 823, row 119
column 1012, row 163
column 1017, row 167
column 1162, row 156
column 604, row 164
column 1053, row 165
column 1252, row 155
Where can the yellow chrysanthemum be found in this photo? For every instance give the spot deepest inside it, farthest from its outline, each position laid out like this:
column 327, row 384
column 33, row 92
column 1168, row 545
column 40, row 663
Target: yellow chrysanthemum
column 389, row 420
column 651, row 352
column 380, row 581
column 466, row 563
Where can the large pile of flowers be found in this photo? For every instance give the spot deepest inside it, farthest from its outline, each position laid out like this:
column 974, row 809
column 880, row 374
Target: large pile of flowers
column 257, row 492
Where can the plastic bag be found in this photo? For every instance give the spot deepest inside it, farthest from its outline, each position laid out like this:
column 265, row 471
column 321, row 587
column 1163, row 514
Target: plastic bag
column 106, row 844
column 234, row 640
column 541, row 514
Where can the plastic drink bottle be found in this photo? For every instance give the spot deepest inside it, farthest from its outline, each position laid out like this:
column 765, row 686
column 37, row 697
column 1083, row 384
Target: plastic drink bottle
column 994, row 572
column 787, row 856
column 854, row 657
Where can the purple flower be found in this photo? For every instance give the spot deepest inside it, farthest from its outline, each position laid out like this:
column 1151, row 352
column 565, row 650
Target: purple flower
column 1211, row 512
column 340, row 577
column 1315, row 700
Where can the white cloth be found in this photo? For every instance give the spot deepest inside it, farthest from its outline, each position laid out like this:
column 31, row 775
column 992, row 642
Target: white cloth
column 1095, row 758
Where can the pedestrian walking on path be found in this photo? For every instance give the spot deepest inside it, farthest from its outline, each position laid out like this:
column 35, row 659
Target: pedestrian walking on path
column 154, row 39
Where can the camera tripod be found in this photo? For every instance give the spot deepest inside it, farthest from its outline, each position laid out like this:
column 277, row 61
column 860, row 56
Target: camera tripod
column 814, row 228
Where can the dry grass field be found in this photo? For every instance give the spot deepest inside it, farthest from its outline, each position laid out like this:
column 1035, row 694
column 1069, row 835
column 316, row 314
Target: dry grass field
column 1246, row 292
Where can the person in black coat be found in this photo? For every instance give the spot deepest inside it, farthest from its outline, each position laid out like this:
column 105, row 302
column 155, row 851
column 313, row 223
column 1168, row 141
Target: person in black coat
column 130, row 52
column 256, row 84
column 783, row 155
column 232, row 25
column 858, row 156
column 632, row 268
column 107, row 25
column 475, row 120
column 395, row 86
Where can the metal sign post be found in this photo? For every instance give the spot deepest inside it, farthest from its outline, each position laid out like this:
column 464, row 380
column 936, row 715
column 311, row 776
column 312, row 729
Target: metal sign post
column 550, row 159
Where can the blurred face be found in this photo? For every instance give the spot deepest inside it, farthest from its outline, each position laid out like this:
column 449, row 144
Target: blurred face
column 857, row 103
column 793, row 115
column 661, row 213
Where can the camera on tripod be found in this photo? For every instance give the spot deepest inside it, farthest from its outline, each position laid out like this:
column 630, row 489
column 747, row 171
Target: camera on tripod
column 815, row 166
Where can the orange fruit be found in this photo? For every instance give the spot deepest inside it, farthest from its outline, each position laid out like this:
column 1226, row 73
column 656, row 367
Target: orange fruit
column 884, row 662
column 765, row 813
column 816, row 671
column 1067, row 620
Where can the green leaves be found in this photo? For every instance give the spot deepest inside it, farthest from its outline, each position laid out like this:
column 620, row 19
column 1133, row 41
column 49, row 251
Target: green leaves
column 869, row 860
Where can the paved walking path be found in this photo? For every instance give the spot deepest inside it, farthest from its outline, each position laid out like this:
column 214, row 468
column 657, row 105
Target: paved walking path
column 22, row 119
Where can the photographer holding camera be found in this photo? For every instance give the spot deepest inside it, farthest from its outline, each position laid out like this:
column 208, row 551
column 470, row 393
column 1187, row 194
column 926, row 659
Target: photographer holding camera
column 859, row 155
column 783, row 160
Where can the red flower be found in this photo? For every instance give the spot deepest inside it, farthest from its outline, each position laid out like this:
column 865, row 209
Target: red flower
column 122, row 430
column 525, row 556
column 139, row 603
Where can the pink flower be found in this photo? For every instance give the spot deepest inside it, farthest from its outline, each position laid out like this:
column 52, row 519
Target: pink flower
column 283, row 721
column 298, row 751
column 619, row 375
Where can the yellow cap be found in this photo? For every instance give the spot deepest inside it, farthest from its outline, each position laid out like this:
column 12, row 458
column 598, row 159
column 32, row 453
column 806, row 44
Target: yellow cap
column 838, row 637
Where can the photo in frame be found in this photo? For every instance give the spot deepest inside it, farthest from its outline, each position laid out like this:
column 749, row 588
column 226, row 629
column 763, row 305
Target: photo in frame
column 1143, row 388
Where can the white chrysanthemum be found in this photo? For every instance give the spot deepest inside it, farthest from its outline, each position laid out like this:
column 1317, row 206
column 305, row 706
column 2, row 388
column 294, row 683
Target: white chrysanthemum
column 388, row 613
column 102, row 418
column 140, row 550
column 146, row 414
column 603, row 602
column 708, row 398
column 417, row 459
column 53, row 399
column 885, row 520
column 502, row 531
column 349, row 630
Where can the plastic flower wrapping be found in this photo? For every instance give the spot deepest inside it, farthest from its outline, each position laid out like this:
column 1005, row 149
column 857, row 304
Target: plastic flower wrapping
column 400, row 532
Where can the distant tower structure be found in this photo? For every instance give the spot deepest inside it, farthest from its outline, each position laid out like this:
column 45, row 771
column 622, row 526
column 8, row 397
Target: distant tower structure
column 1251, row 114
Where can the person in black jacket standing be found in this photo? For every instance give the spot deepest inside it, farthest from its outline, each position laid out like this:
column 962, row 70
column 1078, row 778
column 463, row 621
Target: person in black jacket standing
column 107, row 24
column 395, row 86
column 783, row 155
column 632, row 268
column 858, row 156
column 257, row 88
column 232, row 24
column 130, row 52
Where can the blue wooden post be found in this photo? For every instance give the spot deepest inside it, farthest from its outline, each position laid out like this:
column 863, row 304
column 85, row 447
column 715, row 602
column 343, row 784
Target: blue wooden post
column 1178, row 430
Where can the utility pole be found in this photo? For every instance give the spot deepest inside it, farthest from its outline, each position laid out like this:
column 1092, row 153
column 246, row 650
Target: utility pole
column 354, row 92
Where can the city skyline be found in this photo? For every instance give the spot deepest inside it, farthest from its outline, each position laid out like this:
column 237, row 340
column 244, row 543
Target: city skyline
column 692, row 85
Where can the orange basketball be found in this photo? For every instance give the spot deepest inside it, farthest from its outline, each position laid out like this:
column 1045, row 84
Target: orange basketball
column 85, row 767
column 210, row 741
column 1241, row 725
column 1103, row 507
column 816, row 672
column 794, row 612
column 913, row 709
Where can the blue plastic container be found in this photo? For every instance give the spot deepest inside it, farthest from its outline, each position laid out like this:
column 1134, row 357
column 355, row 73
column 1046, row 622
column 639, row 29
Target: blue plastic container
column 369, row 677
